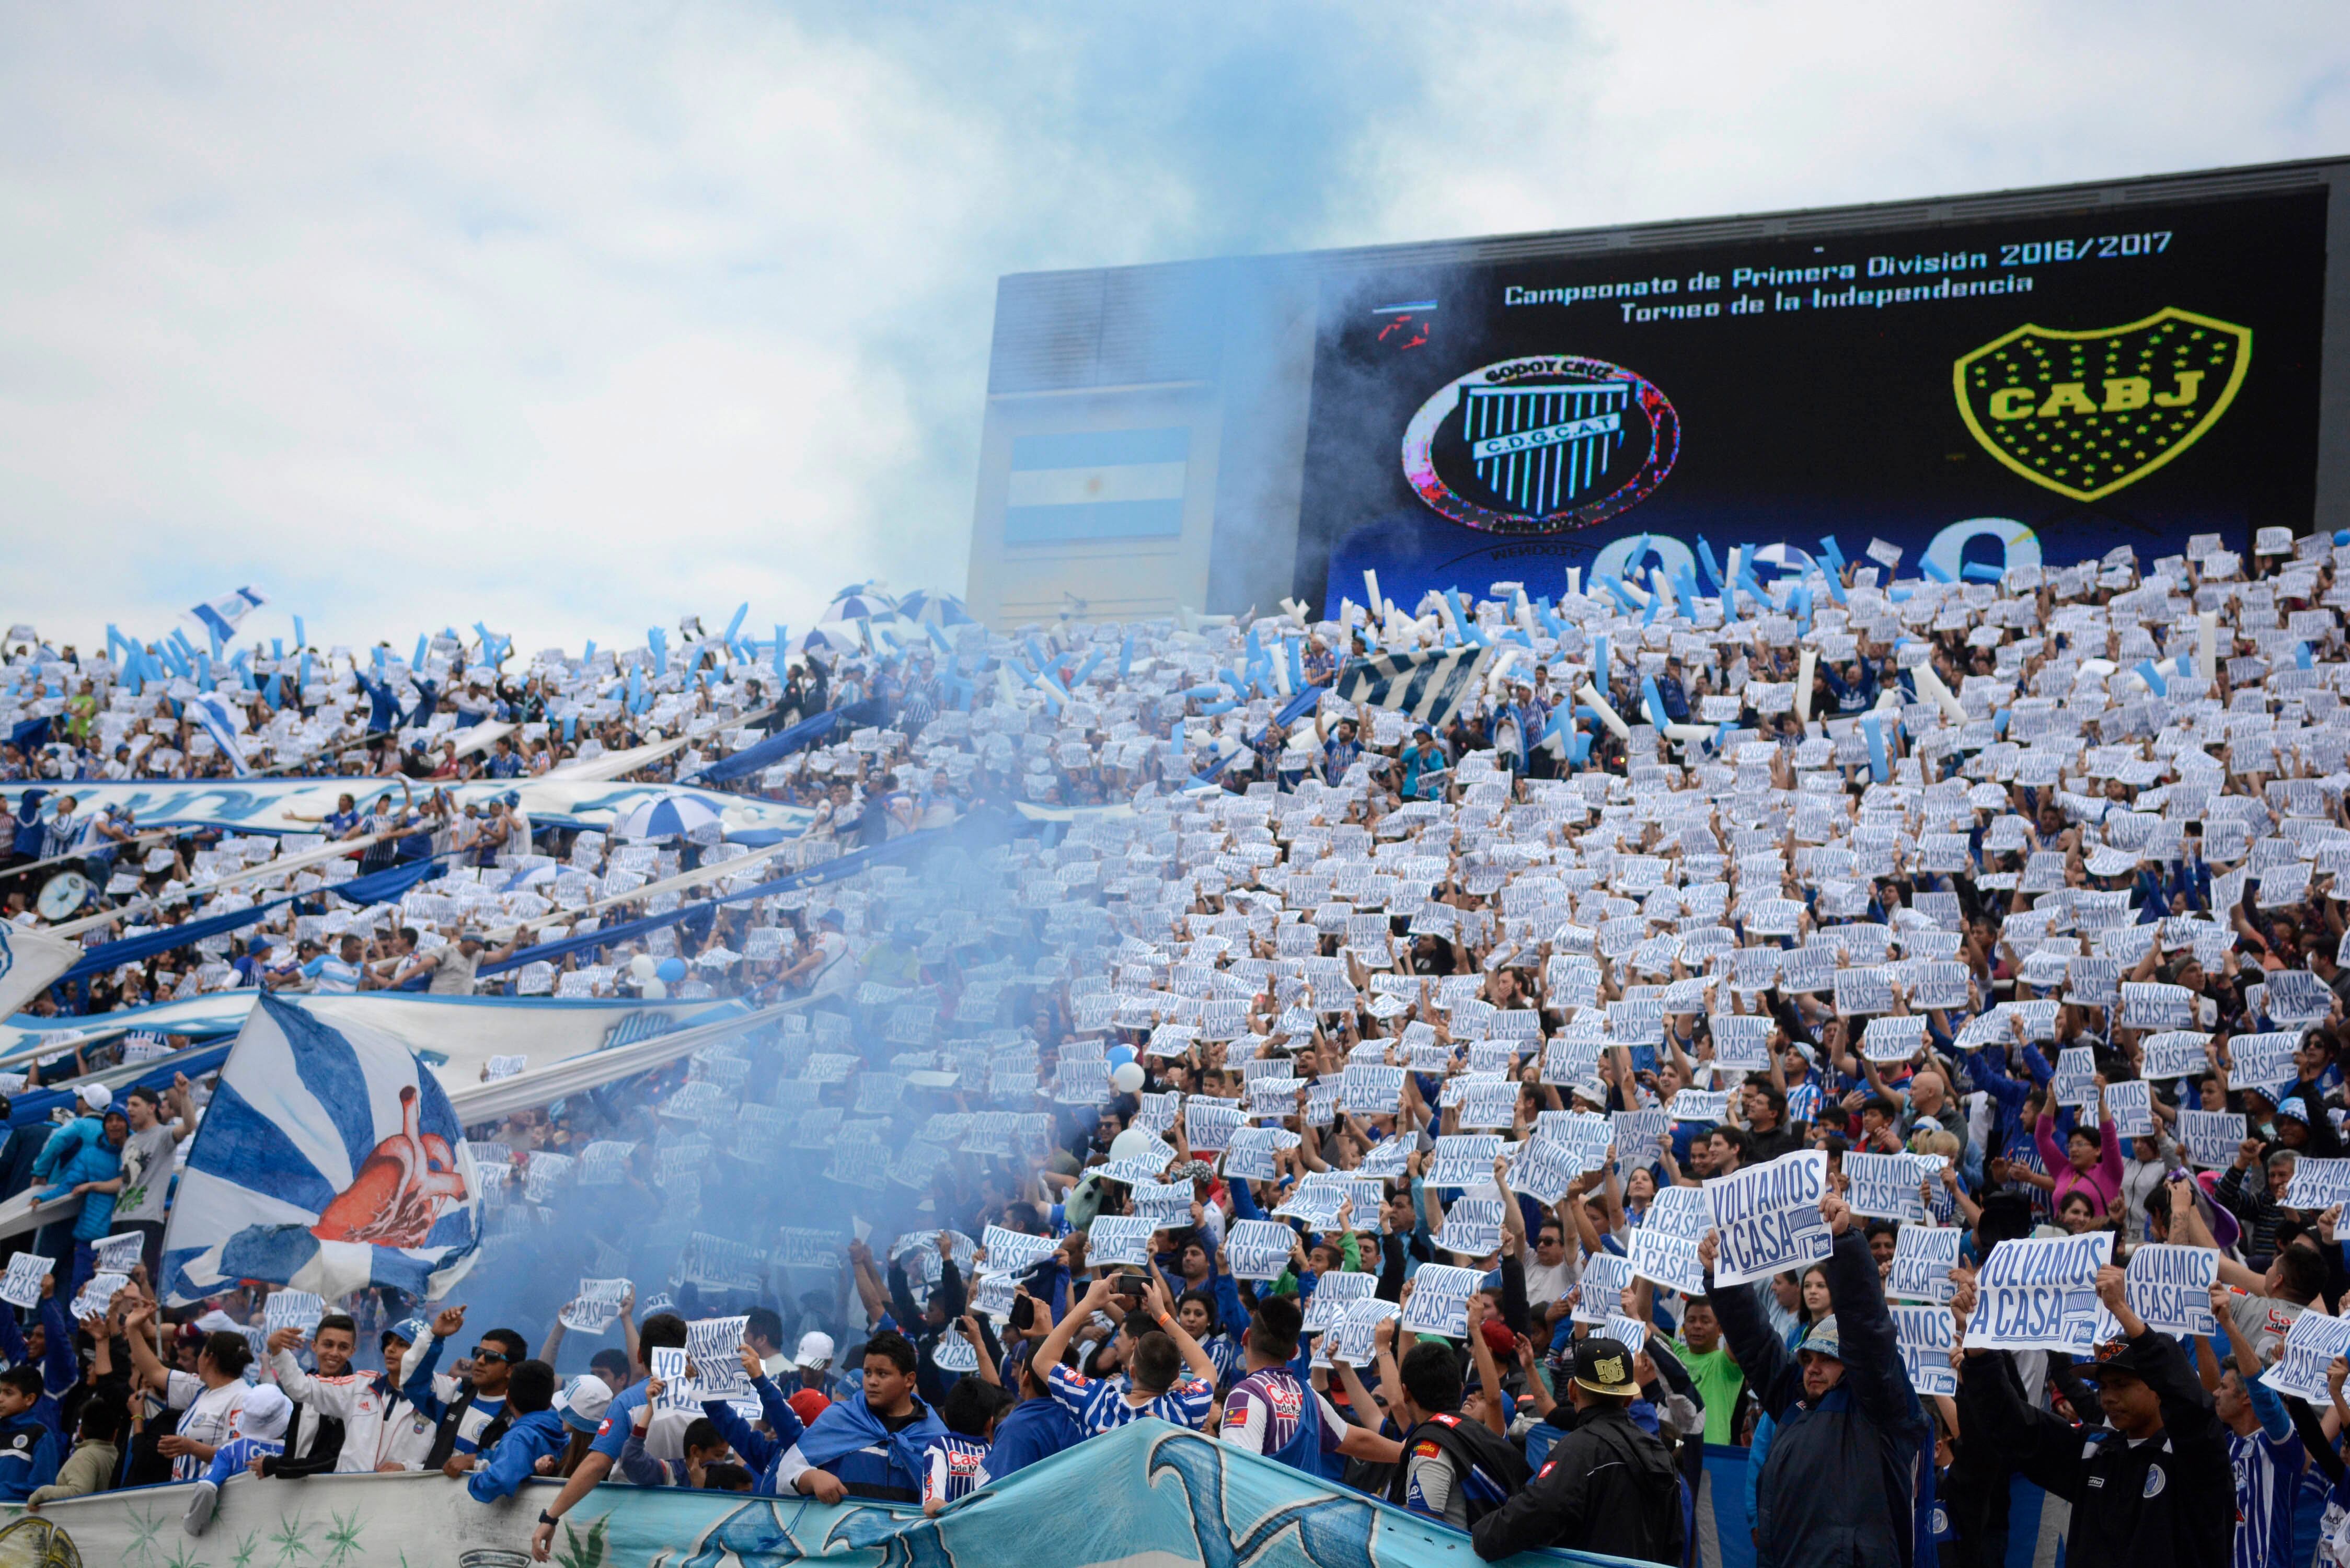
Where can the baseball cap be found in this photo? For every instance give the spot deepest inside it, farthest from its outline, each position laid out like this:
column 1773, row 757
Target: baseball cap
column 2124, row 1358
column 814, row 1352
column 409, row 1330
column 582, row 1401
column 97, row 1097
column 808, row 1404
column 1604, row 1365
column 1823, row 1340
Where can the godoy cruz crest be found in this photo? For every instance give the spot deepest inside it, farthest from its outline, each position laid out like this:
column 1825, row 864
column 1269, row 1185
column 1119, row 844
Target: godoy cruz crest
column 1541, row 444
column 2086, row 413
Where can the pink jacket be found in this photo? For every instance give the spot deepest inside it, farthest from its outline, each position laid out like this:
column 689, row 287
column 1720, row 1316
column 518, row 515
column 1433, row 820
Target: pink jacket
column 2103, row 1183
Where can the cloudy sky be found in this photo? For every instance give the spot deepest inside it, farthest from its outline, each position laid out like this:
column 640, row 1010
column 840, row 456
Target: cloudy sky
column 572, row 320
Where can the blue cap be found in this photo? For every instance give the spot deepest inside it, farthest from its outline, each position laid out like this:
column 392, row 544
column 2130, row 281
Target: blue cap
column 412, row 1329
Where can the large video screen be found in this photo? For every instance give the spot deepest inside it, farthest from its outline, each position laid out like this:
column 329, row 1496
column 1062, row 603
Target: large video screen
column 2039, row 391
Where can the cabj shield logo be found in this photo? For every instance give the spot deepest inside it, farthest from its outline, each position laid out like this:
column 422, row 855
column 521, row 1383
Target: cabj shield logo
column 1541, row 444
column 2086, row 413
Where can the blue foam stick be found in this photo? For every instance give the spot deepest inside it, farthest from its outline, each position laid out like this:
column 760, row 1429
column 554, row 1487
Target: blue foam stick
column 1581, row 751
column 204, row 671
column 1125, row 656
column 1297, row 663
column 1875, row 731
column 589, row 652
column 1036, row 650
column 570, row 727
column 2301, row 655
column 1998, row 721
column 658, row 640
column 218, row 646
column 1927, row 564
column 1979, row 572
column 1652, row 702
column 422, row 644
column 1201, row 693
column 301, row 638
column 2153, row 677
column 380, row 656
column 306, row 667
column 1648, row 615
column 1210, row 709
column 1712, row 568
column 275, row 682
column 1468, row 622
column 276, row 647
column 1599, row 660
column 1834, row 555
column 2183, row 665
column 737, row 624
column 1087, row 668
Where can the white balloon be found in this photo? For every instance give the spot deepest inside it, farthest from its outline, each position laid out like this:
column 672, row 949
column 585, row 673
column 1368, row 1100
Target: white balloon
column 654, row 990
column 641, row 967
column 1126, row 1079
column 1131, row 1144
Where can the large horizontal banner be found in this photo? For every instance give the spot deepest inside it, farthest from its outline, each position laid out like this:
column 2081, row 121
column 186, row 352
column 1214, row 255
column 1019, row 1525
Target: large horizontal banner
column 1158, row 1496
column 298, row 806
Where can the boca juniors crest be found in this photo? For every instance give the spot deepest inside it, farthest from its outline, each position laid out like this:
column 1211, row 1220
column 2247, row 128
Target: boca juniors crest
column 1542, row 444
column 2086, row 413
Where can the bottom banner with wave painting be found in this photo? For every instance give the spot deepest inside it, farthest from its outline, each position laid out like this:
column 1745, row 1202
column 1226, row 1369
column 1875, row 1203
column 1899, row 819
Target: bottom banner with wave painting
column 1149, row 1496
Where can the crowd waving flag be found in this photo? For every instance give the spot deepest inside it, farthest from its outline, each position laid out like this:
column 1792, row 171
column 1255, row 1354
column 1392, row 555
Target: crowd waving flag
column 329, row 1160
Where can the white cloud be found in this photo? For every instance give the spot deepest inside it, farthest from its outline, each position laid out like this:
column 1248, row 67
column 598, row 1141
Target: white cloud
column 578, row 319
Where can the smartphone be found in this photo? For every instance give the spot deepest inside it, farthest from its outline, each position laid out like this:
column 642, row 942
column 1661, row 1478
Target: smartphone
column 1136, row 1286
column 1023, row 1313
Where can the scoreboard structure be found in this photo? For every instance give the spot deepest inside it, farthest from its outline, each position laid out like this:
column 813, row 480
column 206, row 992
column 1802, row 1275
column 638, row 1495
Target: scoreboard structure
column 1997, row 379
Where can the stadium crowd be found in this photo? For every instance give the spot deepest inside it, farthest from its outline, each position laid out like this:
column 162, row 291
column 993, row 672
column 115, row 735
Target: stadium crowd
column 1226, row 1031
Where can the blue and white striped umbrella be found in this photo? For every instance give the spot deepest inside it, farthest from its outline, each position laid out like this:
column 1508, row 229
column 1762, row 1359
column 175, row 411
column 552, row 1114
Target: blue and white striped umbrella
column 924, row 607
column 668, row 816
column 833, row 639
column 861, row 601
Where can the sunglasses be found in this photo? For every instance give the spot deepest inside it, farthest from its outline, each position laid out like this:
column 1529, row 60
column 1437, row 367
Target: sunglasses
column 484, row 1352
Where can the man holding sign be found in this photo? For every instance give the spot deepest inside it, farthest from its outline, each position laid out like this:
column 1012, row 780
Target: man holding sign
column 2153, row 1487
column 1841, row 1480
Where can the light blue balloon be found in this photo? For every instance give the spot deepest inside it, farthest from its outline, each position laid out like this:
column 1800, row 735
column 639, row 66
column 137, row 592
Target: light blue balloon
column 671, row 970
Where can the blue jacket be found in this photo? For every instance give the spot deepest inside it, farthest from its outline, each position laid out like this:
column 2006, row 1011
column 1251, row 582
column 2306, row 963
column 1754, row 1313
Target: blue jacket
column 28, row 1458
column 78, row 1152
column 513, row 1459
column 1031, row 1430
column 763, row 1452
column 850, row 1442
column 58, row 1371
column 1840, row 1482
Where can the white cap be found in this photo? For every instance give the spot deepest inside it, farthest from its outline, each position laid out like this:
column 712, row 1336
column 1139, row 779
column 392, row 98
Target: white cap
column 263, row 1412
column 97, row 1097
column 814, row 1352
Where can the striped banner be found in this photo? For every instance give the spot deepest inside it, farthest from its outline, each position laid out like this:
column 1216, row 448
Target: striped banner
column 1427, row 686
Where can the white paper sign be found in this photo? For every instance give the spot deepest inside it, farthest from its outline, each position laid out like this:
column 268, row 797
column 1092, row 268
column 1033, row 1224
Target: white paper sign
column 1667, row 1260
column 1884, row 1186
column 2317, row 1184
column 2310, row 1347
column 26, row 1271
column 1439, row 1300
column 2170, row 1287
column 1258, row 1250
column 714, row 1347
column 293, row 1308
column 1600, row 1292
column 2132, row 1108
column 1473, row 1226
column 116, row 1254
column 1923, row 1257
column 2040, row 1295
column 1464, row 1160
column 2211, row 1138
column 1926, row 1335
column 596, row 1304
column 1118, row 1240
column 1766, row 1218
